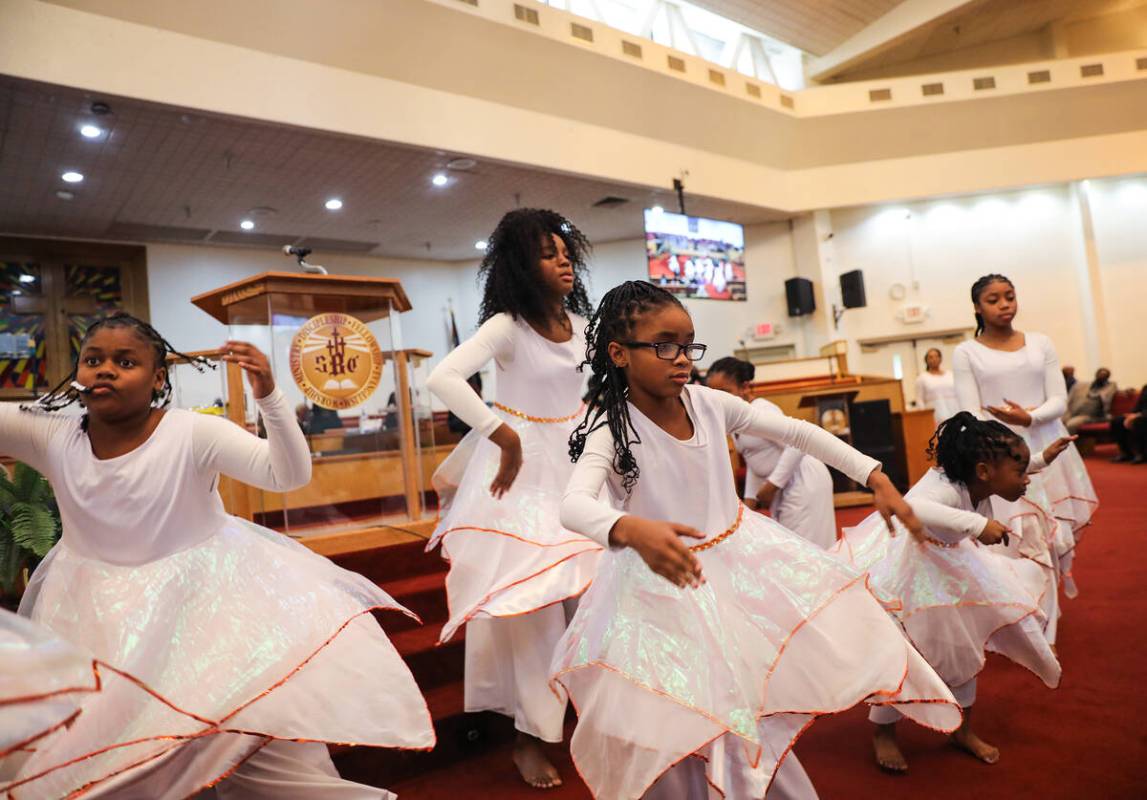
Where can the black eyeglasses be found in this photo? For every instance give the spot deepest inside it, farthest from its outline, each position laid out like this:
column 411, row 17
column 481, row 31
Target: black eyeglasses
column 669, row 351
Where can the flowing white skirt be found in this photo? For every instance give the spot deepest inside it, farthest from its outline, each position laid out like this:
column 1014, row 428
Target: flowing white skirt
column 43, row 681
column 209, row 654
column 734, row 671
column 956, row 602
column 509, row 556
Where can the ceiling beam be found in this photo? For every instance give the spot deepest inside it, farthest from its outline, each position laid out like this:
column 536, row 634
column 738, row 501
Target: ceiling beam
column 890, row 29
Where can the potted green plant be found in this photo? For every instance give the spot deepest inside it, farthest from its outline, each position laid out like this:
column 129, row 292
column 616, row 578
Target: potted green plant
column 29, row 526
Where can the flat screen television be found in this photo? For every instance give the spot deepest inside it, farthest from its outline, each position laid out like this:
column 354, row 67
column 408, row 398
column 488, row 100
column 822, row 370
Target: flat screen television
column 695, row 257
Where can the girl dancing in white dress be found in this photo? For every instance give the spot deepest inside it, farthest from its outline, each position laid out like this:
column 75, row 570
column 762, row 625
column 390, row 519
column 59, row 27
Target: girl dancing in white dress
column 953, row 592
column 515, row 571
column 228, row 653
column 1015, row 377
column 712, row 636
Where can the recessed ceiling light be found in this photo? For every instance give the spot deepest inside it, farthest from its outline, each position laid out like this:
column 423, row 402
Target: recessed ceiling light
column 334, row 204
column 247, row 225
column 440, row 179
column 480, row 244
column 461, row 164
column 27, row 279
column 64, row 194
column 91, row 132
column 72, row 177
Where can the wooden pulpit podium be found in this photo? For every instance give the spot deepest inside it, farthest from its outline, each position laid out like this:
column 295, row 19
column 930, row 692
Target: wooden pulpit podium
column 335, row 346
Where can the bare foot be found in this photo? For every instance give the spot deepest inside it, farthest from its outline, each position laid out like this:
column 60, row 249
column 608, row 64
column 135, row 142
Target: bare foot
column 532, row 764
column 969, row 742
column 888, row 755
column 1070, row 590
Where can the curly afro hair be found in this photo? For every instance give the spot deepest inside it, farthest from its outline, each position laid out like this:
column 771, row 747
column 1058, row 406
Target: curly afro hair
column 510, row 267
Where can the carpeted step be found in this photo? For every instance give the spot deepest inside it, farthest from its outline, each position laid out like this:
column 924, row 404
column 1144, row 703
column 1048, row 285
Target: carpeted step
column 393, row 563
column 461, row 737
column 425, row 595
column 433, row 665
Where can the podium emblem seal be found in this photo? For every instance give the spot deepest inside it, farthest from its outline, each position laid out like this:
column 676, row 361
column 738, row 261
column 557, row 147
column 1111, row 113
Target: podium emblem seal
column 336, row 361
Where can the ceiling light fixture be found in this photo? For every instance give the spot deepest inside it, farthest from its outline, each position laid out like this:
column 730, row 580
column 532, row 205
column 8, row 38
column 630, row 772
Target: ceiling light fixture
column 64, row 194
column 440, row 179
column 27, row 279
column 91, row 132
column 72, row 177
column 480, row 244
column 334, row 204
column 247, row 225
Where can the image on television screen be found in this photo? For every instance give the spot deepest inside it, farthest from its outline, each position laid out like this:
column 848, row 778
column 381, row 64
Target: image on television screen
column 695, row 257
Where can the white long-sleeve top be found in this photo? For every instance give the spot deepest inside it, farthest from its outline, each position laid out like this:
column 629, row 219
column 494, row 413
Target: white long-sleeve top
column 1029, row 376
column 688, row 482
column 161, row 497
column 945, row 508
column 937, row 392
column 535, row 376
column 766, row 459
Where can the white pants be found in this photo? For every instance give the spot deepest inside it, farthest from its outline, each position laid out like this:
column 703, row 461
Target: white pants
column 294, row 771
column 965, row 695
column 508, row 668
column 291, row 771
column 686, row 781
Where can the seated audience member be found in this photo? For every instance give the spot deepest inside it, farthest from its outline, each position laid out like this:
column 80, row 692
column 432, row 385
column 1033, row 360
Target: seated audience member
column 1090, row 402
column 324, row 419
column 1130, row 432
column 1069, row 377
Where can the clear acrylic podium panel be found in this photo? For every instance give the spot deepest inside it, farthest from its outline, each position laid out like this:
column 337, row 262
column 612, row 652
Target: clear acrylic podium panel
column 430, row 453
column 359, row 473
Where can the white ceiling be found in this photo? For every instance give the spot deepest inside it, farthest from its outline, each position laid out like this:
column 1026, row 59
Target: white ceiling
column 989, row 21
column 163, row 174
column 815, row 26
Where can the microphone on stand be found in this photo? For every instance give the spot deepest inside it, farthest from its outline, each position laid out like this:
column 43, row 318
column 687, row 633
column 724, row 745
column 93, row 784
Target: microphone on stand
column 301, row 253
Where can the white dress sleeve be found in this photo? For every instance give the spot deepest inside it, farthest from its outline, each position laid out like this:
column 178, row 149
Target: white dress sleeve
column 279, row 463
column 967, row 390
column 583, row 511
column 937, row 506
column 1036, row 463
column 24, row 435
column 1055, row 392
column 786, row 465
column 493, row 341
column 741, row 417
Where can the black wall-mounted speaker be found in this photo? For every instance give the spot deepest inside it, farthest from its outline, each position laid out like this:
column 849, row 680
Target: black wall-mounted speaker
column 800, row 296
column 852, row 289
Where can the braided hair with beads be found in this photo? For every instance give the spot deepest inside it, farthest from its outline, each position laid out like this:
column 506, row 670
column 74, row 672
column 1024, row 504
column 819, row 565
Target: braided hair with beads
column 608, row 395
column 64, row 395
column 963, row 440
column 978, row 289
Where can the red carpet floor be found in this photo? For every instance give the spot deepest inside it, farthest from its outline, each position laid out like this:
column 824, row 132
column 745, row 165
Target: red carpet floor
column 1085, row 740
